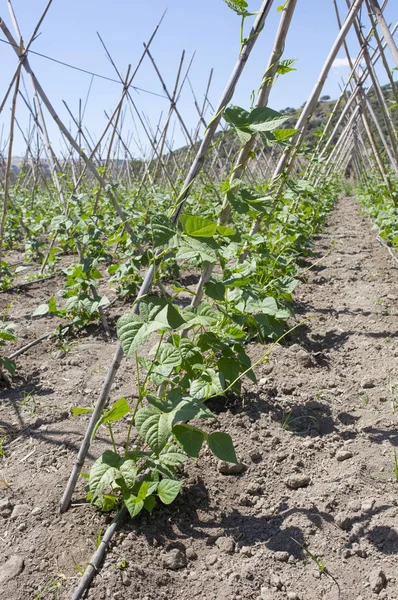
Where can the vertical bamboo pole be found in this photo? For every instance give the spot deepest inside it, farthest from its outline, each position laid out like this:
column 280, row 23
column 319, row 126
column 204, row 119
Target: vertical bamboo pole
column 262, row 100
column 286, row 161
column 385, row 29
column 8, row 167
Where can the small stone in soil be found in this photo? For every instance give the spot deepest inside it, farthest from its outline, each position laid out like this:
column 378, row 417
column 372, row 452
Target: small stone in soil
column 226, row 544
column 227, row 468
column 5, row 508
column 20, row 510
column 265, row 594
column 191, row 554
column 276, row 581
column 254, row 489
column 304, row 359
column 377, row 580
column 343, row 455
column 292, row 596
column 174, row 560
column 298, row 481
column 255, row 456
column 367, row 505
column 211, row 559
column 126, row 579
column 368, row 383
column 11, row 569
column 342, row 520
column 281, row 556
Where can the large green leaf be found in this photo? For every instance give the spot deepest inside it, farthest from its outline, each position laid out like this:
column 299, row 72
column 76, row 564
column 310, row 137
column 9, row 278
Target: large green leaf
column 163, row 230
column 283, row 134
column 190, row 438
column 190, row 408
column 155, row 314
column 154, row 426
column 169, row 357
column 131, row 333
column 208, row 384
column 266, row 306
column 215, row 290
column 204, row 316
column 104, row 472
column 168, row 490
column 134, row 504
column 196, row 226
column 197, row 249
column 172, row 455
column 128, row 469
column 221, row 445
column 264, row 118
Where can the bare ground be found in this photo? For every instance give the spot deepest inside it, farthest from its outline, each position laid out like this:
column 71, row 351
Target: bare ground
column 322, row 417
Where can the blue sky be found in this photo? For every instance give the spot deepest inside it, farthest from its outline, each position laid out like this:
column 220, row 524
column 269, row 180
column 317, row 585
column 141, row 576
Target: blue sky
column 208, row 28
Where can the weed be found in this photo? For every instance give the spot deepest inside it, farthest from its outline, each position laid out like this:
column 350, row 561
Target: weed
column 393, row 390
column 317, row 560
column 52, row 586
column 30, row 403
column 2, row 451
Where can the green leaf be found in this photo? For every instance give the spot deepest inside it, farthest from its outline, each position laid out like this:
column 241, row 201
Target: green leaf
column 143, row 490
column 128, row 469
column 239, row 6
column 285, row 66
column 52, row 305
column 224, row 230
column 168, row 490
column 195, row 226
column 263, row 118
column 190, row 354
column 283, row 134
column 167, row 318
column 222, row 447
column 190, row 438
column 172, row 456
column 128, row 330
column 104, row 472
column 169, row 357
column 154, row 426
column 204, row 316
column 209, row 384
column 149, row 503
column 163, row 230
column 215, row 290
column 119, row 410
column 196, row 249
column 267, row 306
column 109, row 502
column 190, row 408
column 8, row 364
column 41, row 310
column 79, row 410
column 134, row 504
column 236, row 116
column 230, row 368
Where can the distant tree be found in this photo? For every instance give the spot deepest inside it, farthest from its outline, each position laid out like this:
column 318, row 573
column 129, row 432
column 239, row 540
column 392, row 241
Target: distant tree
column 324, row 98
